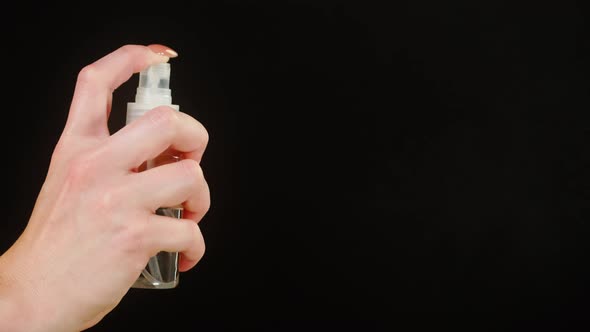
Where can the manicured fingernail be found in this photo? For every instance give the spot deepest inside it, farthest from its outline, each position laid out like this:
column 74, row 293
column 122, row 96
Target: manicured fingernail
column 163, row 50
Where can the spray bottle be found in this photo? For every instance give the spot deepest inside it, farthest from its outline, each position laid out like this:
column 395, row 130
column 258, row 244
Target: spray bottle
column 153, row 91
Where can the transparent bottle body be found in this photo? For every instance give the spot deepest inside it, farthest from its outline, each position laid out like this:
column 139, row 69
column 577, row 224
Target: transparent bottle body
column 161, row 271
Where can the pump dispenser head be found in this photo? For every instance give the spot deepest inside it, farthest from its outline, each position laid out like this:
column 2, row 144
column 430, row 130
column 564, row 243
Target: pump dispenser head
column 153, row 91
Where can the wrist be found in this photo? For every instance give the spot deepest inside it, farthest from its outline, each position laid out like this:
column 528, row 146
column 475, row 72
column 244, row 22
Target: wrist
column 12, row 316
column 21, row 308
column 11, row 308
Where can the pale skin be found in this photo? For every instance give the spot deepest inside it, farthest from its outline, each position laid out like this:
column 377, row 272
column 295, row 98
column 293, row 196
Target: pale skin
column 93, row 227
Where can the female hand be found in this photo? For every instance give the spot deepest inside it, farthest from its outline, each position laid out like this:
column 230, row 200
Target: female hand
column 93, row 227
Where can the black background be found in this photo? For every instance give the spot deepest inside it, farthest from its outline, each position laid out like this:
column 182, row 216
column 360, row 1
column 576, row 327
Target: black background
column 370, row 165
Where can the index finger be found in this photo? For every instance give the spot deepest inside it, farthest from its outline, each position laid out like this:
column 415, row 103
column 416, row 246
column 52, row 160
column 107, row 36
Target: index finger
column 97, row 81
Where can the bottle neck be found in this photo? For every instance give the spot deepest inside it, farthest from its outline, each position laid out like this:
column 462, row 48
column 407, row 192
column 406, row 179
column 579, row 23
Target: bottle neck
column 153, row 96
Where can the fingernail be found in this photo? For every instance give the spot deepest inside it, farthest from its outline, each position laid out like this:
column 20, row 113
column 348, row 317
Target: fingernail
column 163, row 50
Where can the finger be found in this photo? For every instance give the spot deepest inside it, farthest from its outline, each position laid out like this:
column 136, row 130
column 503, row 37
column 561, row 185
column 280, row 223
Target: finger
column 175, row 235
column 195, row 216
column 185, row 263
column 153, row 133
column 97, row 81
column 172, row 185
column 195, row 209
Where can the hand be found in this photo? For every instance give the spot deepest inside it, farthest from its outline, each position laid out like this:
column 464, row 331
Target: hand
column 93, row 227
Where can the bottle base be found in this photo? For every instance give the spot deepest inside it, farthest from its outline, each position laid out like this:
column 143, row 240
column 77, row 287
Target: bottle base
column 161, row 271
column 145, row 284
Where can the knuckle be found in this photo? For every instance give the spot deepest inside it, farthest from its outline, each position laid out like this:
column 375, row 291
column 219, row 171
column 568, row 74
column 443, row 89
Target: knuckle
column 164, row 117
column 109, row 201
column 135, row 54
column 192, row 170
column 88, row 74
column 127, row 49
column 200, row 202
column 206, row 203
column 203, row 206
column 197, row 239
column 201, row 243
column 203, row 133
column 131, row 54
column 131, row 239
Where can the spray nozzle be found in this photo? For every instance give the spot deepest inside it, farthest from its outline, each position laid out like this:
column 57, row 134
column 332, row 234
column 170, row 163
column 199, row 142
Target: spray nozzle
column 155, row 76
column 153, row 90
column 153, row 84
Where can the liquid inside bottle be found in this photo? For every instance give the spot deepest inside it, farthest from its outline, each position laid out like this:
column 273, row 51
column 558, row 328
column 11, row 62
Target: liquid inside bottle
column 161, row 271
